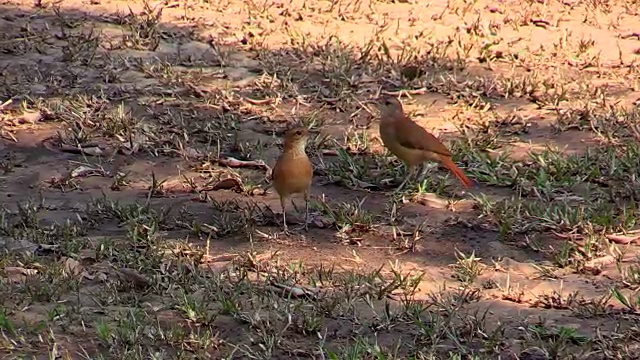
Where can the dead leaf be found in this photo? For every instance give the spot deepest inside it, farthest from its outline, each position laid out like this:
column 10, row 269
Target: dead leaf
column 599, row 262
column 18, row 274
column 28, row 118
column 85, row 171
column 622, row 239
column 219, row 258
column 431, row 200
column 72, row 267
column 225, row 184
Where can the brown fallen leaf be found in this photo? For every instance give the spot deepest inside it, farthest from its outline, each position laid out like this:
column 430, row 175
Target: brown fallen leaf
column 219, row 258
column 18, row 274
column 601, row 261
column 85, row 171
column 225, row 184
column 431, row 200
column 31, row 117
column 72, row 267
column 622, row 239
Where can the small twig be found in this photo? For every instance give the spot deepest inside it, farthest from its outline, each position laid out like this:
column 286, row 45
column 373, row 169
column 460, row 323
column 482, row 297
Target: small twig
column 334, row 152
column 631, row 35
column 540, row 23
column 259, row 102
column 6, row 103
column 88, row 150
column 235, row 163
column 420, row 91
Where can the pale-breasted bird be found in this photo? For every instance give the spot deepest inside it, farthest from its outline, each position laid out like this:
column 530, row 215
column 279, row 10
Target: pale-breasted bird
column 293, row 171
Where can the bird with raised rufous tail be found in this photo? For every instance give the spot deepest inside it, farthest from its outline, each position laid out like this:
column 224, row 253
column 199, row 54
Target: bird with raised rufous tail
column 410, row 142
column 293, row 171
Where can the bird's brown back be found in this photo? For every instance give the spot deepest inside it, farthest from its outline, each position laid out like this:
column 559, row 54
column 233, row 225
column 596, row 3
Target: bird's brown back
column 402, row 134
column 414, row 136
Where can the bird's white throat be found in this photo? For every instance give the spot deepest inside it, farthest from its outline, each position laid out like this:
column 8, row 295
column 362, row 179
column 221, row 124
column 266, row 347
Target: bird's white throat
column 298, row 149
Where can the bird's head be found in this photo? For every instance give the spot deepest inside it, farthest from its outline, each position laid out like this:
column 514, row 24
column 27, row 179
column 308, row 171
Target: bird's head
column 296, row 137
column 388, row 105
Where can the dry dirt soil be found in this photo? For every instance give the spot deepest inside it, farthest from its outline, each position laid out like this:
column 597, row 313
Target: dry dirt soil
column 138, row 138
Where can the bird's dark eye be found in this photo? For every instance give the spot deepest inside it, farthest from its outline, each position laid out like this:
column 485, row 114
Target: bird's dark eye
column 299, row 132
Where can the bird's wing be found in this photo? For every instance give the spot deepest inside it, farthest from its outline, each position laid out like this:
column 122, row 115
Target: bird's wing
column 414, row 136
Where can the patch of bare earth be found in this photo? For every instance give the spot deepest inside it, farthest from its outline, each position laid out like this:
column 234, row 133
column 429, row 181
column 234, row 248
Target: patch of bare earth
column 137, row 141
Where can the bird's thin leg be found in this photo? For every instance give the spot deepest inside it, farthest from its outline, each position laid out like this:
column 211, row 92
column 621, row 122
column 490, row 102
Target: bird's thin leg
column 284, row 214
column 306, row 210
column 423, row 171
column 406, row 179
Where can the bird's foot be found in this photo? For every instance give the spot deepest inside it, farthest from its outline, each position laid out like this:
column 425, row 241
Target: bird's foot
column 304, row 226
column 286, row 231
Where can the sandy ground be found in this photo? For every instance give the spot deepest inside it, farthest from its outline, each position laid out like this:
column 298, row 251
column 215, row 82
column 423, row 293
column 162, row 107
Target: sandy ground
column 223, row 79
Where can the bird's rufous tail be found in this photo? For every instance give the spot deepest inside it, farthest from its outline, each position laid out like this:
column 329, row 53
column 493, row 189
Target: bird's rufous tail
column 446, row 161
